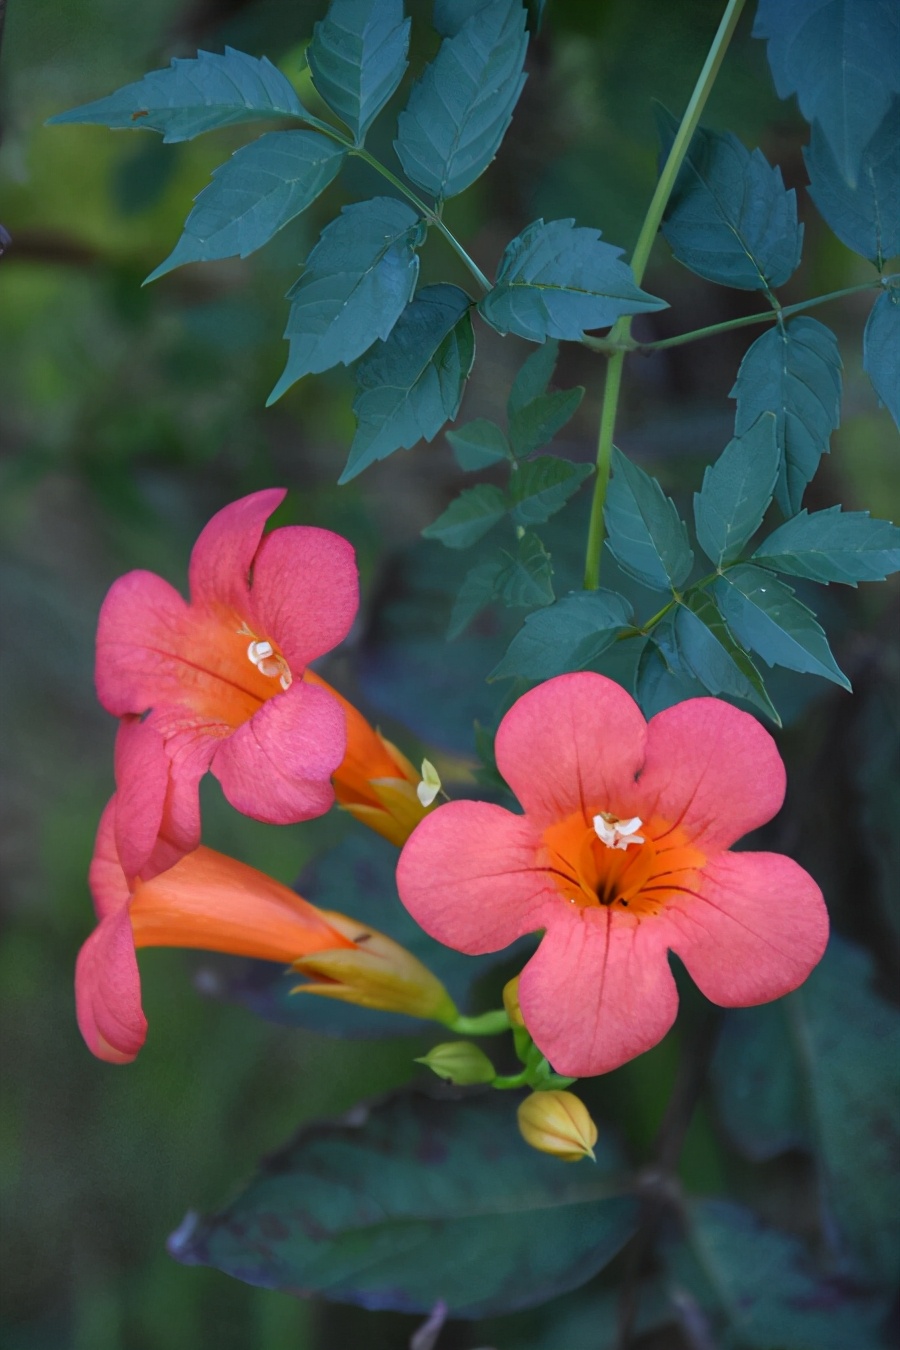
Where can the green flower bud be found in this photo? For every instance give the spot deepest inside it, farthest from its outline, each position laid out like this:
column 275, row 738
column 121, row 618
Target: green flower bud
column 459, row 1062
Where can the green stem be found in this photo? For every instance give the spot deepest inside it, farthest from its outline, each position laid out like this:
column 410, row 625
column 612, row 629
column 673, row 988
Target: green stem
column 486, row 1024
column 430, row 214
column 513, row 1080
column 622, row 328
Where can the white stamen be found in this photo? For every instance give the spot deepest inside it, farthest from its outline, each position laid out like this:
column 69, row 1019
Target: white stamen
column 430, row 786
column 286, row 679
column 258, row 651
column 615, row 833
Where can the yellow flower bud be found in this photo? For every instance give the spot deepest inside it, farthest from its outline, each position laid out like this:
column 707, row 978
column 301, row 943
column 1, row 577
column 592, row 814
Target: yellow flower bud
column 511, row 1003
column 374, row 972
column 459, row 1062
column 558, row 1123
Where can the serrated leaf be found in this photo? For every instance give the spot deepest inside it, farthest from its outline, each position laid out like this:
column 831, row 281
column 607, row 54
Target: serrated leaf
column 526, row 575
column 194, row 95
column 865, row 216
column 713, row 656
column 645, row 533
column 661, row 678
column 556, row 280
column 535, row 424
column 448, row 16
column 354, row 287
column 410, row 385
column 794, row 373
column 253, row 195
column 479, row 444
column 357, row 57
column 833, row 545
column 469, row 516
column 459, row 109
column 730, row 218
column 767, row 618
column 479, row 589
column 541, row 487
column 533, row 377
column 406, row 1203
column 881, row 349
column 840, row 58
column 736, row 491
column 570, row 635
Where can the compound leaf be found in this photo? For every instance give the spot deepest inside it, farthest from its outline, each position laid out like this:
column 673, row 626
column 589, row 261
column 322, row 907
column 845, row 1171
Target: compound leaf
column 795, row 373
column 881, row 349
column 730, row 218
column 469, row 516
column 840, row 58
column 256, row 192
column 645, row 532
column 479, row 444
column 354, row 287
column 194, row 95
column 736, row 491
column 411, row 384
column 570, row 635
column 556, row 280
column 357, row 57
column 766, row 617
column 526, row 575
column 833, row 545
column 459, row 109
column 865, row 216
column 541, row 487
column 714, row 658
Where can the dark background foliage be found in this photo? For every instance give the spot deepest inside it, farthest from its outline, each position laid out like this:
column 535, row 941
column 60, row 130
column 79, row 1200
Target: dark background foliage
column 128, row 416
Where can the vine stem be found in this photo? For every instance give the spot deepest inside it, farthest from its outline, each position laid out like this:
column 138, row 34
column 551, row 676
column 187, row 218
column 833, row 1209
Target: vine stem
column 622, row 328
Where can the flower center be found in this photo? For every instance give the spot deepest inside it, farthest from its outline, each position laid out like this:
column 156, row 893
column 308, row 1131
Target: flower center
column 263, row 655
column 626, row 864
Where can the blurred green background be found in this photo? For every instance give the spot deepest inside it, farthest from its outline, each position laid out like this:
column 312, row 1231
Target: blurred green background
column 129, row 416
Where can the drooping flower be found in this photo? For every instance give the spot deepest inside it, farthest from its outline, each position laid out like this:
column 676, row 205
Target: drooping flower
column 220, row 677
column 622, row 855
column 375, row 782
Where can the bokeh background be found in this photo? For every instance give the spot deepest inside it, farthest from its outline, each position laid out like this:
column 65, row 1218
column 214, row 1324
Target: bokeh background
column 129, row 415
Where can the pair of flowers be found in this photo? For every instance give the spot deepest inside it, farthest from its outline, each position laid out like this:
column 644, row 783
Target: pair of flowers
column 622, row 853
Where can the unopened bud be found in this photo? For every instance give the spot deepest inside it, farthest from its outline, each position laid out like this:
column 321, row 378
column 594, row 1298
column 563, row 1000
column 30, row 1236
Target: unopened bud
column 459, row 1062
column 511, row 1003
column 558, row 1123
column 430, row 785
column 375, row 972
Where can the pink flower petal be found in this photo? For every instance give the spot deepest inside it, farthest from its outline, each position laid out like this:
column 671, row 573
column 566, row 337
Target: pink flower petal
column 467, row 875
column 752, row 929
column 141, row 630
column 573, row 743
column 277, row 767
column 598, row 991
column 712, row 770
column 224, row 552
column 305, row 592
column 108, row 991
column 109, row 886
column 142, row 781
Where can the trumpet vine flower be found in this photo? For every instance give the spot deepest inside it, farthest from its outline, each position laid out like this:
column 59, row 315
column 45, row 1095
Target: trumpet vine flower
column 220, row 677
column 622, row 855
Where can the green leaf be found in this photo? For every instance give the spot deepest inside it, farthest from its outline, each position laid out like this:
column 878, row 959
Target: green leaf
column 449, row 16
column 541, row 487
column 766, row 617
column 865, row 216
column 253, row 195
column 714, row 658
column 195, row 95
column 357, row 57
column 525, row 578
column 408, row 1202
column 761, row 1286
column 826, row 1053
column 729, row 217
column 736, row 491
column 647, row 536
column 533, row 377
column 479, row 444
column 479, row 589
column 840, row 58
column 354, row 287
column 881, row 349
column 410, row 385
column 570, row 635
column 794, row 373
column 459, row 109
column 556, row 280
column 469, row 516
column 661, row 677
column 535, row 424
column 833, row 545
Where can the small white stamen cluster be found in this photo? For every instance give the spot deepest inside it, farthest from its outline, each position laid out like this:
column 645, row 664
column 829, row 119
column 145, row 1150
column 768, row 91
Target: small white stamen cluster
column 430, row 785
column 262, row 654
column 615, row 833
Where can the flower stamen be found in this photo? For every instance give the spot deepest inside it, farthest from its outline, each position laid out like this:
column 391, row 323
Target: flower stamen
column 616, row 833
